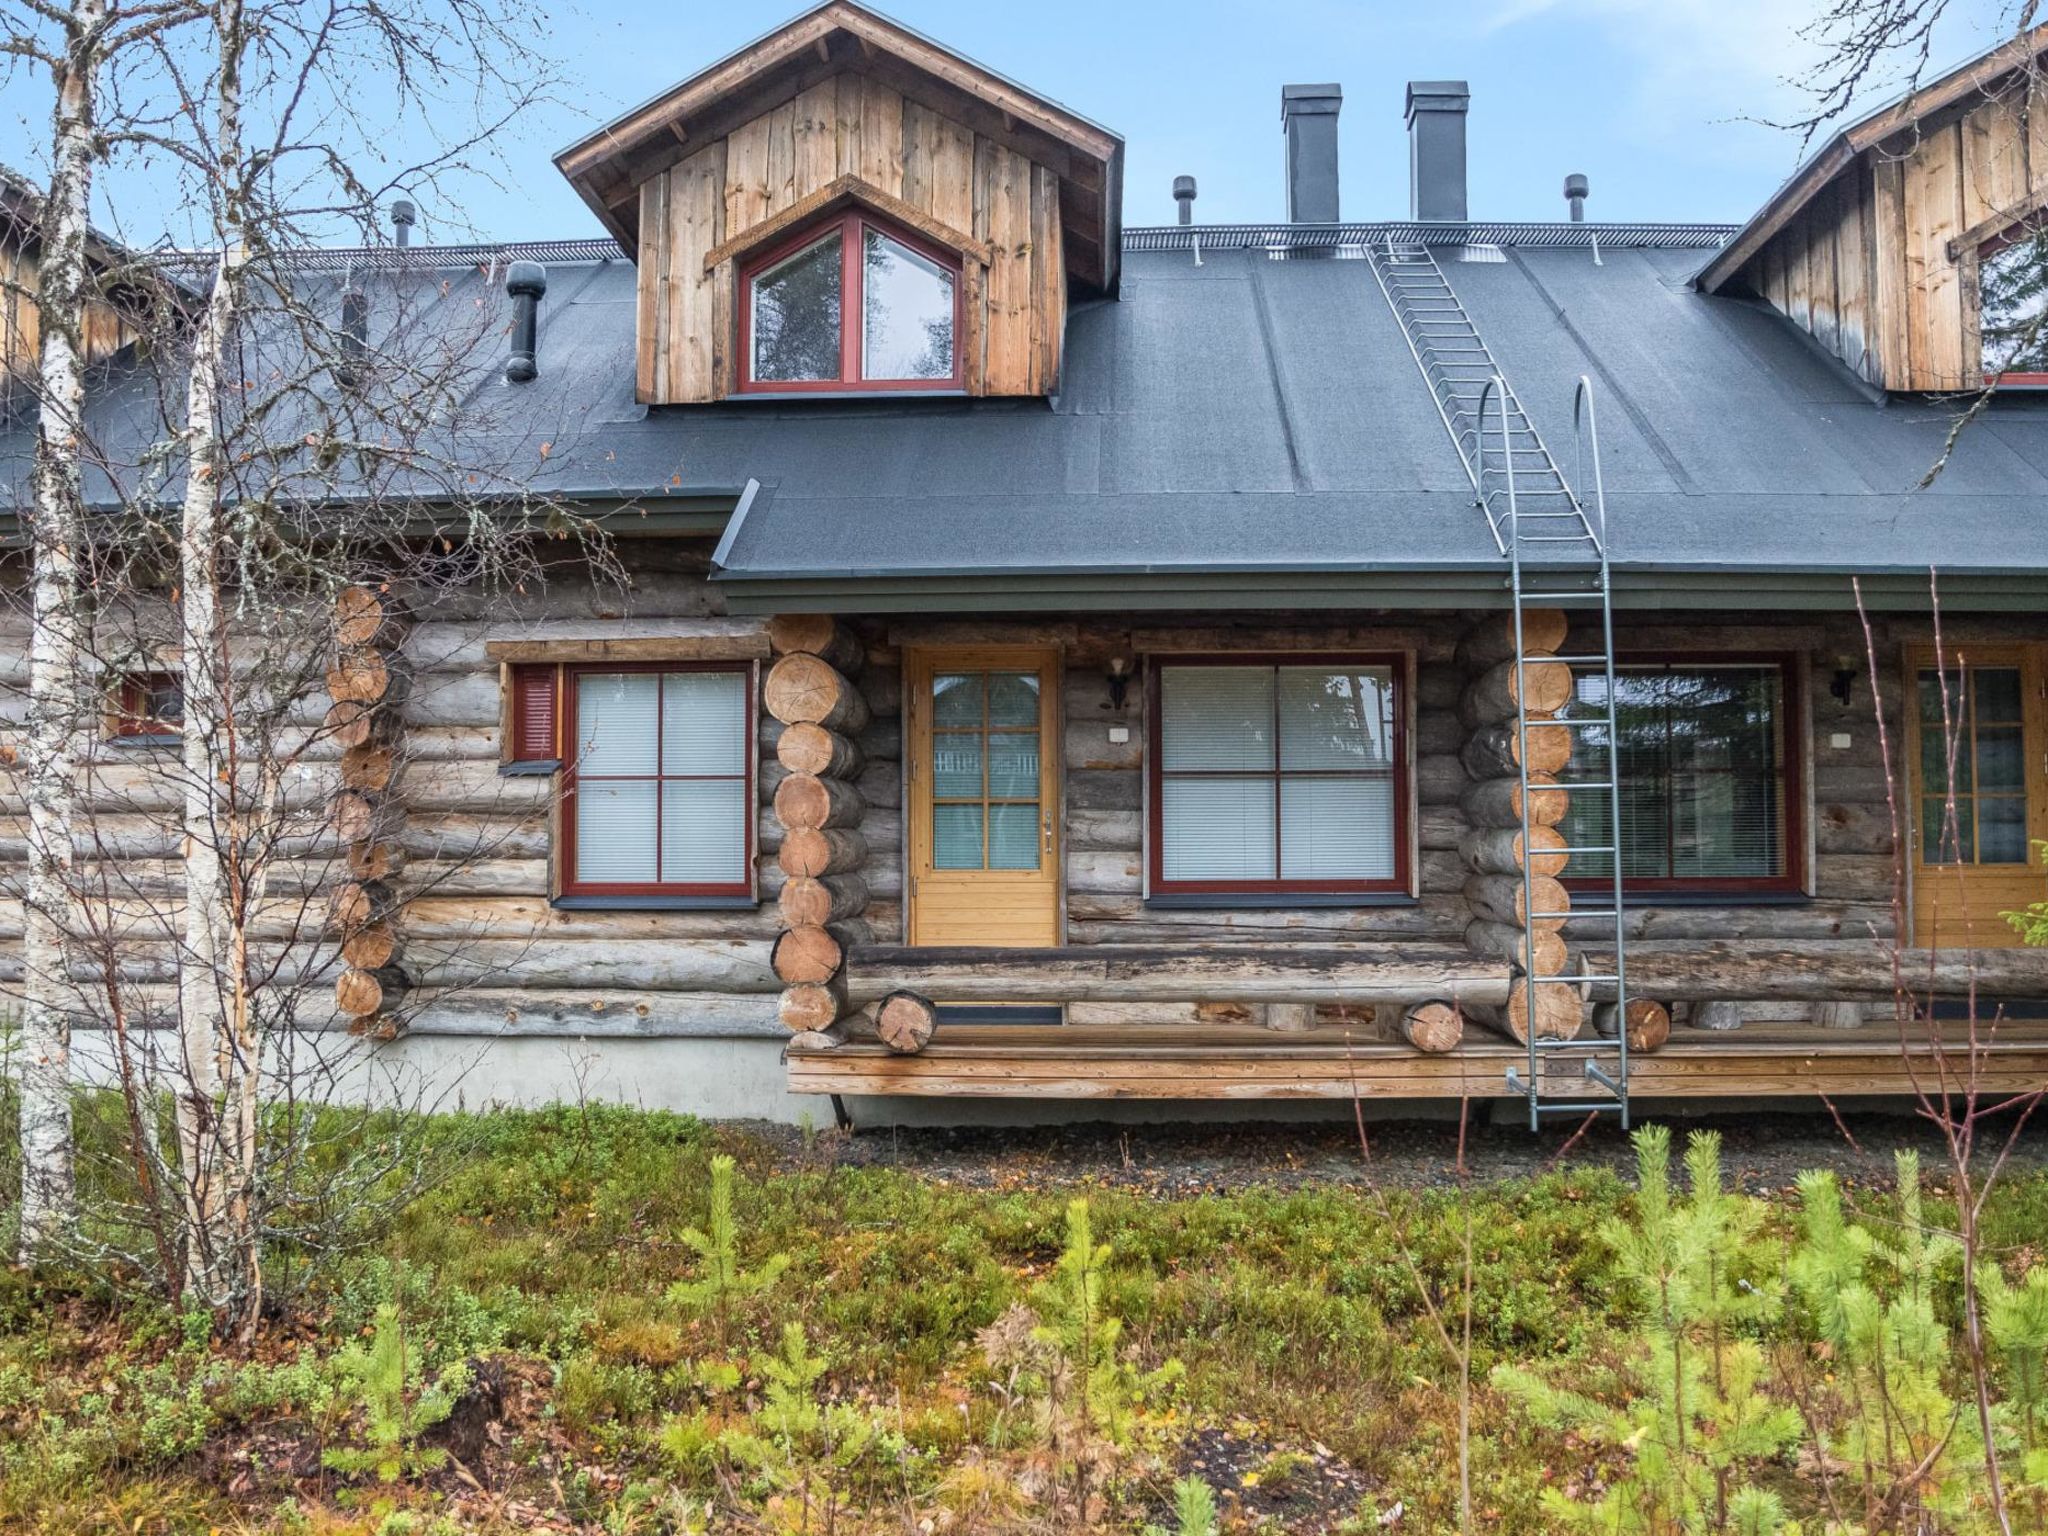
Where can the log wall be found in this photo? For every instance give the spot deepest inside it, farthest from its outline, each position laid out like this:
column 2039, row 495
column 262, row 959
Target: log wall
column 477, row 845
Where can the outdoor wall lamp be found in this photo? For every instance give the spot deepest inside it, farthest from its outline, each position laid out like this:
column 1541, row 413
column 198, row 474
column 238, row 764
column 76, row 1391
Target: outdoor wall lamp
column 1118, row 672
column 1844, row 685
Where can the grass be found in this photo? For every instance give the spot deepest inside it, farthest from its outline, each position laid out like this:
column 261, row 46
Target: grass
column 550, row 1245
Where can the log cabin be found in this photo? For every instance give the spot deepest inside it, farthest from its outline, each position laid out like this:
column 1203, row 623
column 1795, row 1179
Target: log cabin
column 1070, row 659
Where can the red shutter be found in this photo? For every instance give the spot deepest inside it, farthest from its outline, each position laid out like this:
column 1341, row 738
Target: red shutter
column 533, row 714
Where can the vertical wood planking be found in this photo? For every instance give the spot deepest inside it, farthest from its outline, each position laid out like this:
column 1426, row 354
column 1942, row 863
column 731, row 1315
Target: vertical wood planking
column 847, row 123
column 815, row 151
column 1007, row 192
column 650, row 290
column 881, row 137
column 952, row 177
column 1934, row 300
column 1046, row 313
column 779, row 184
column 1798, row 296
column 746, row 175
column 1852, row 275
column 920, row 155
column 1888, row 244
column 696, row 211
column 2034, row 135
column 1823, row 289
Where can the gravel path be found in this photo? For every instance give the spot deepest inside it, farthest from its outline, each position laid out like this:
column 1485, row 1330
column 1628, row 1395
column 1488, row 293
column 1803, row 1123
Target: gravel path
column 1761, row 1152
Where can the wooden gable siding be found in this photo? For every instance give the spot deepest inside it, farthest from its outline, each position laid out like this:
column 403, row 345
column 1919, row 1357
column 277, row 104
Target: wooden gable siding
column 1880, row 266
column 21, row 321
column 850, row 125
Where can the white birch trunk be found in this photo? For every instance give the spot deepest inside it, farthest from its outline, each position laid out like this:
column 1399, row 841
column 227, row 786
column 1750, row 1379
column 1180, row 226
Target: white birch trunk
column 56, row 690
column 217, row 1049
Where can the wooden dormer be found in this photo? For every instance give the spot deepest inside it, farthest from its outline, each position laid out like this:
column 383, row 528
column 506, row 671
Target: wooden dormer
column 954, row 185
column 1885, row 244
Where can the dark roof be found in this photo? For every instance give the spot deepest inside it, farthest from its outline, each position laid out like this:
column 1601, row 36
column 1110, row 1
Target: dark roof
column 1243, row 426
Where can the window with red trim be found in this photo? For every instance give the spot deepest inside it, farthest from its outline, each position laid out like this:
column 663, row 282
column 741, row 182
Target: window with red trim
column 148, row 705
column 1278, row 774
column 2012, row 298
column 657, row 780
column 852, row 303
column 1709, row 775
column 531, row 730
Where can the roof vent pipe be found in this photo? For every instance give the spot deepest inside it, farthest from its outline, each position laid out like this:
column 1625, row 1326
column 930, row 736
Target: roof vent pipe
column 1184, row 194
column 403, row 217
column 1436, row 150
column 1308, row 114
column 1575, row 192
column 526, row 281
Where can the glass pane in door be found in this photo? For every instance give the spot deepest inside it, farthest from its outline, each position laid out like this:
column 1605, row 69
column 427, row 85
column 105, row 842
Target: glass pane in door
column 986, row 771
column 1973, row 789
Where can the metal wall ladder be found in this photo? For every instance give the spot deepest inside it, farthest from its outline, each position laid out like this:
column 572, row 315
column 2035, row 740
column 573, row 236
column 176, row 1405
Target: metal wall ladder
column 1557, row 558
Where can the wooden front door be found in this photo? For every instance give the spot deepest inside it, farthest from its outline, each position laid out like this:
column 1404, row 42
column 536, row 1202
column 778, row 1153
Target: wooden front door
column 983, row 749
column 1974, row 854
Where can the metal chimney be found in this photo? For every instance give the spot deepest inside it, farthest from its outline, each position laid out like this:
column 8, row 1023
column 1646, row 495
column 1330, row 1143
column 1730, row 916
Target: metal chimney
column 1575, row 192
column 526, row 281
column 1308, row 114
column 1184, row 194
column 403, row 217
column 1436, row 150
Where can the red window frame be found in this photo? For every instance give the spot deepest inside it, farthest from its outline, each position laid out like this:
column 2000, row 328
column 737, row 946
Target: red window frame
column 2010, row 236
column 131, row 715
column 1155, row 814
column 1793, row 729
column 851, row 306
column 565, row 708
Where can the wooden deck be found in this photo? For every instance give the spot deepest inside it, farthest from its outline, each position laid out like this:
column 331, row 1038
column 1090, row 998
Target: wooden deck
column 1778, row 1061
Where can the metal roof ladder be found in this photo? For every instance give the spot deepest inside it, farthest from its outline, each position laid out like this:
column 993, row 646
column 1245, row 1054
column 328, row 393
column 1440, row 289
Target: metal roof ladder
column 1557, row 558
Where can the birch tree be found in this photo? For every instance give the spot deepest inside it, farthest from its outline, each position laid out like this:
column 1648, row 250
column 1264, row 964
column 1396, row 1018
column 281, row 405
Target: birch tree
column 73, row 45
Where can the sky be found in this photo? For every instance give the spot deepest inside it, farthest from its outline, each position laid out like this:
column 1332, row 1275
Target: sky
column 1664, row 104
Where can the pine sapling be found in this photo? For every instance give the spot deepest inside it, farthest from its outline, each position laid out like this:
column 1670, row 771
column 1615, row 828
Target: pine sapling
column 394, row 1415
column 722, row 1281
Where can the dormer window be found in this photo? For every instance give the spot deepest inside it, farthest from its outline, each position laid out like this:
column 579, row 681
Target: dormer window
column 2012, row 316
column 851, row 304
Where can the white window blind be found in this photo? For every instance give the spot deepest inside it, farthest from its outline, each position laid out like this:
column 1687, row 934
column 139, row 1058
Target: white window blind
column 1270, row 775
column 661, row 780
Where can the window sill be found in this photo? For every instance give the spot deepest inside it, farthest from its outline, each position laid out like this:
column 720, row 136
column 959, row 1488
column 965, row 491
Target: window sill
column 1691, row 898
column 785, row 396
column 655, row 903
column 532, row 768
column 1211, row 901
column 144, row 741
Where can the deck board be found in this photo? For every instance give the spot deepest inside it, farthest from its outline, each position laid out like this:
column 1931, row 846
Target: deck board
column 1229, row 1063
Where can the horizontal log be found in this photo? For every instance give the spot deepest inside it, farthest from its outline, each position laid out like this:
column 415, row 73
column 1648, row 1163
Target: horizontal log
column 369, row 948
column 1495, row 751
column 358, row 675
column 815, row 852
column 1500, row 941
column 1649, row 1023
column 596, row 1013
column 808, row 748
column 368, row 767
column 1492, row 640
column 1172, row 973
column 1496, row 695
column 361, row 994
column 1498, row 802
column 359, row 616
column 805, row 802
column 1822, row 972
column 817, row 900
column 1505, row 899
column 816, row 634
column 1560, row 1014
column 806, row 690
column 1439, row 779
column 810, row 953
column 905, row 1022
column 1500, row 850
column 1433, row 1027
column 632, row 648
column 811, row 1005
